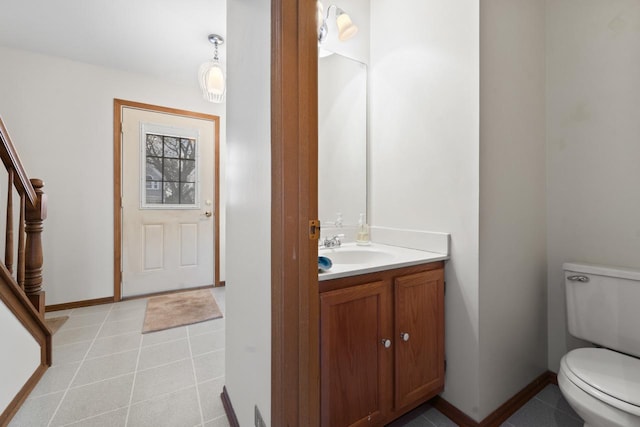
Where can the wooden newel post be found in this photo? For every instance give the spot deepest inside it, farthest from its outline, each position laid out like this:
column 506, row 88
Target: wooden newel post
column 34, row 216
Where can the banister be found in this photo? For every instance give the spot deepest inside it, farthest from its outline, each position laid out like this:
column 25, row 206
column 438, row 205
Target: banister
column 33, row 211
column 23, row 295
column 11, row 161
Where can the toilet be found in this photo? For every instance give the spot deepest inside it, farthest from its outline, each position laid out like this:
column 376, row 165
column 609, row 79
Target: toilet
column 602, row 384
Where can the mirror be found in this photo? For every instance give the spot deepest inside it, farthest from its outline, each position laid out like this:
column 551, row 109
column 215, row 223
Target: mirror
column 342, row 140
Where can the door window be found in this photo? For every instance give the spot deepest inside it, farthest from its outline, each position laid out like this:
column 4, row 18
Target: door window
column 169, row 171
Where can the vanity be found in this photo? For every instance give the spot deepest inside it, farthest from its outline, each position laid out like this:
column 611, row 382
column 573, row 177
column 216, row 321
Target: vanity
column 381, row 306
column 381, row 333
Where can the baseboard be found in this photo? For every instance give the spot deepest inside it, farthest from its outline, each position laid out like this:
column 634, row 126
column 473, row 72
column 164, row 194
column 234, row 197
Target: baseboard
column 221, row 284
column 500, row 415
column 13, row 407
column 78, row 304
column 109, row 300
column 174, row 291
column 228, row 408
column 453, row 413
column 512, row 405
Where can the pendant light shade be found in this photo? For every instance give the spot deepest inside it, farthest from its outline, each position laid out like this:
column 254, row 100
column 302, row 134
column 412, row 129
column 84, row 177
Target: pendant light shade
column 346, row 28
column 211, row 76
column 212, row 81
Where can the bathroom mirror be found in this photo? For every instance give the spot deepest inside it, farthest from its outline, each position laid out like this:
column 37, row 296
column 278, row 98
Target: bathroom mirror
column 342, row 140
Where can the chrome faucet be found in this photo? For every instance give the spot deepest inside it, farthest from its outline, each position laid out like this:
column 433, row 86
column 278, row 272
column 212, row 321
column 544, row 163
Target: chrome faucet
column 333, row 242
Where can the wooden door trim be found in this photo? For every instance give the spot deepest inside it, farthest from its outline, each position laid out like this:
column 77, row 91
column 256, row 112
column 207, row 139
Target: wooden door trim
column 295, row 383
column 118, row 105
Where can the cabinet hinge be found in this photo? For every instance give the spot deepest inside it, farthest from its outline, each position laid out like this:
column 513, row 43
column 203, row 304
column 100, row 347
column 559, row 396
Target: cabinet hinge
column 314, row 229
column 445, row 287
column 445, row 365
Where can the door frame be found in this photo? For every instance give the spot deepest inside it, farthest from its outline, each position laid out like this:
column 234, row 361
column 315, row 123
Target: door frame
column 118, row 105
column 295, row 303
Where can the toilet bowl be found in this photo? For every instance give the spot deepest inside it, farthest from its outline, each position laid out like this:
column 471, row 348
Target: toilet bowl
column 602, row 386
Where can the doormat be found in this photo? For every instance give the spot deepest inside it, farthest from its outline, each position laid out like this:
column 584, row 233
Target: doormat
column 179, row 309
column 54, row 323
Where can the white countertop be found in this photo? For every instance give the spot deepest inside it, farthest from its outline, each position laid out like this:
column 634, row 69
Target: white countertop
column 351, row 259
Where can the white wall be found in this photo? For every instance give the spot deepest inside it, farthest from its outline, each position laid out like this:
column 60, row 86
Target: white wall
column 248, row 294
column 19, row 360
column 424, row 153
column 593, row 134
column 513, row 311
column 60, row 116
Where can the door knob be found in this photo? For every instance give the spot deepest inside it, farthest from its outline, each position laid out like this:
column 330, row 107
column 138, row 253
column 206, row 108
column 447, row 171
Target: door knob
column 404, row 336
column 386, row 343
column 208, row 214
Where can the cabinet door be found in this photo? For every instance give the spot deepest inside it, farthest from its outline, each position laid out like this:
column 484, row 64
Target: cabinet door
column 419, row 332
column 355, row 365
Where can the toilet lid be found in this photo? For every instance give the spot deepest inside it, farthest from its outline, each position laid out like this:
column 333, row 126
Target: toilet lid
column 614, row 374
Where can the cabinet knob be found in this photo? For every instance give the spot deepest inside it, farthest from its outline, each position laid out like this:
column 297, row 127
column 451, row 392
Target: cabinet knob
column 404, row 336
column 386, row 343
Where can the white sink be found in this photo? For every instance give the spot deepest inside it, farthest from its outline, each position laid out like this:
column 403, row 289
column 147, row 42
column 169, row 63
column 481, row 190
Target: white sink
column 350, row 259
column 357, row 255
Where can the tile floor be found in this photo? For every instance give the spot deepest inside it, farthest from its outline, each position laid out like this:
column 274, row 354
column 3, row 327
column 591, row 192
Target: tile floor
column 547, row 409
column 106, row 373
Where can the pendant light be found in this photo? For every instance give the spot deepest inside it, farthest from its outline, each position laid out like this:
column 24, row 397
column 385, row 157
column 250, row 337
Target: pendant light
column 211, row 75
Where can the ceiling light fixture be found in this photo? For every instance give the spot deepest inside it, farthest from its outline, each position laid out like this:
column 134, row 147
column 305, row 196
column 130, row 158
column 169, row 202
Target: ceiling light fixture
column 211, row 75
column 346, row 28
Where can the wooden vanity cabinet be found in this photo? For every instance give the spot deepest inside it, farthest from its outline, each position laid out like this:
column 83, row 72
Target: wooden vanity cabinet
column 419, row 326
column 355, row 365
column 381, row 344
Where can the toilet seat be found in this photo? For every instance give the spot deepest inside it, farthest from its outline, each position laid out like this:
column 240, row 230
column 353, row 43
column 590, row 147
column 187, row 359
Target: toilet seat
column 611, row 377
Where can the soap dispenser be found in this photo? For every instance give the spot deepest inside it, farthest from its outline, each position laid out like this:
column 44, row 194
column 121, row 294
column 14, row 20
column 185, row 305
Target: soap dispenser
column 363, row 232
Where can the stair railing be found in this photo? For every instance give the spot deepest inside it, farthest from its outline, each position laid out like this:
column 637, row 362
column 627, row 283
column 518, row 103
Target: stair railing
column 33, row 211
column 22, row 294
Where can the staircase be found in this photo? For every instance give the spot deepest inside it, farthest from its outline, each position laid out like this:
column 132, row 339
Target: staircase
column 21, row 294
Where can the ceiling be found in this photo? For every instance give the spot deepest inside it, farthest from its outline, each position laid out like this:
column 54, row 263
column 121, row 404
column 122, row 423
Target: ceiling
column 166, row 39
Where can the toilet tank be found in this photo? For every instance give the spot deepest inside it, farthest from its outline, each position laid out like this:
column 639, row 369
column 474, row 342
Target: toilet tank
column 603, row 305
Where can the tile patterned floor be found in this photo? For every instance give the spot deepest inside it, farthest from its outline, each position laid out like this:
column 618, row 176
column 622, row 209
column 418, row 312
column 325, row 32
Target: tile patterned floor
column 547, row 409
column 106, row 373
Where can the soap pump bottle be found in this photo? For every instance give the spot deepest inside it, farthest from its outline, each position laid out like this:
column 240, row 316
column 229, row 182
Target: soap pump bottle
column 362, row 237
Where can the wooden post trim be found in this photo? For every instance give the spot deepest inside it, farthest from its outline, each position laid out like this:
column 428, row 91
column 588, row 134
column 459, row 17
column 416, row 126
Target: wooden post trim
column 295, row 390
column 34, row 217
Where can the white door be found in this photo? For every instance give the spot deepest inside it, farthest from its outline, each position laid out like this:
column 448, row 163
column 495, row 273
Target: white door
column 167, row 202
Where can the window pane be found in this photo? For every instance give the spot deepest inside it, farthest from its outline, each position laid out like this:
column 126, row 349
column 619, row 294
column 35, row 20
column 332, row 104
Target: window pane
column 187, row 194
column 188, row 171
column 171, row 170
column 154, row 192
column 171, row 195
column 154, row 145
column 171, row 147
column 188, row 147
column 154, row 169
